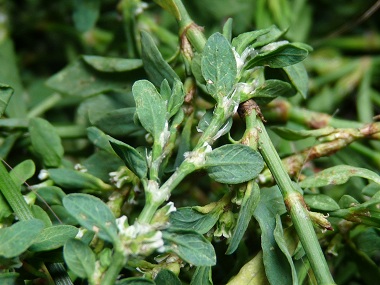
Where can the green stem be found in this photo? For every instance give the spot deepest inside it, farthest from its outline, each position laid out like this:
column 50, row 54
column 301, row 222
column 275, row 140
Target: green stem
column 45, row 105
column 155, row 197
column 283, row 111
column 293, row 199
column 187, row 27
column 117, row 264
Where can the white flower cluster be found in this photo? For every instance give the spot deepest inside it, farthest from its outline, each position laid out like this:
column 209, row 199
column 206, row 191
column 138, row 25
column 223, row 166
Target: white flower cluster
column 139, row 239
column 198, row 157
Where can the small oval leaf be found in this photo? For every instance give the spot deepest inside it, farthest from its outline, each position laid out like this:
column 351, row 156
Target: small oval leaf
column 69, row 178
column 53, row 237
column 131, row 157
column 191, row 247
column 93, row 214
column 15, row 239
column 46, row 142
column 233, row 164
column 150, row 107
column 321, row 202
column 79, row 258
column 338, row 175
column 190, row 219
column 219, row 67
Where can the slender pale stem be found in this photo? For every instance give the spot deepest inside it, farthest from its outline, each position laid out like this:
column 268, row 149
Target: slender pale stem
column 45, row 105
column 293, row 198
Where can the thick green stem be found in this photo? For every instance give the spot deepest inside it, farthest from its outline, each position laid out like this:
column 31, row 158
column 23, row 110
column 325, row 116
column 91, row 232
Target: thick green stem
column 187, row 27
column 293, row 199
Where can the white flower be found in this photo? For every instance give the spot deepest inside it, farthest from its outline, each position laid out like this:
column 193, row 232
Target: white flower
column 79, row 167
column 198, row 157
column 44, row 174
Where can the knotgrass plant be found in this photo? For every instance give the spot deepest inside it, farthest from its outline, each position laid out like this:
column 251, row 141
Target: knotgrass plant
column 169, row 171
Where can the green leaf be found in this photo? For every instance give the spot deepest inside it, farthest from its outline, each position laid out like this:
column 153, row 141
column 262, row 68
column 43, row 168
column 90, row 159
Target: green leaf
column 9, row 74
column 112, row 64
column 218, row 66
column 227, row 29
column 278, row 55
column 190, row 246
column 176, row 99
column 165, row 90
column 347, row 201
column 101, row 164
column 268, row 91
column 293, row 135
column 196, row 68
column 99, row 139
column 338, row 175
column 233, row 164
column 79, row 79
column 93, row 214
column 150, row 107
column 165, row 277
column 64, row 216
column 46, row 142
column 23, row 171
column 252, row 273
column 119, row 122
column 154, row 64
column 53, row 237
column 298, row 76
column 16, row 239
column 321, row 202
column 371, row 189
column 68, row 178
column 188, row 218
column 135, row 281
column 185, row 141
column 256, row 38
column 276, row 264
column 86, row 13
column 40, row 214
column 79, row 258
column 5, row 95
column 131, row 157
column 5, row 210
column 51, row 195
column 202, row 276
column 368, row 241
column 248, row 206
column 287, row 244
